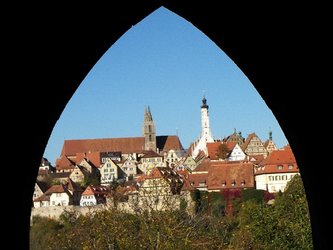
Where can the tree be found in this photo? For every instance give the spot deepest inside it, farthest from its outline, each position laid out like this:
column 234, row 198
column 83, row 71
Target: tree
column 283, row 225
column 222, row 151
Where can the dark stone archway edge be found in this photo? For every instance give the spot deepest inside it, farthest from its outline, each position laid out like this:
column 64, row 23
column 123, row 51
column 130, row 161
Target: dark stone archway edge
column 49, row 50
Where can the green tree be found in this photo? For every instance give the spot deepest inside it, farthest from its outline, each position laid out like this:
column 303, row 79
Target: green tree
column 283, row 225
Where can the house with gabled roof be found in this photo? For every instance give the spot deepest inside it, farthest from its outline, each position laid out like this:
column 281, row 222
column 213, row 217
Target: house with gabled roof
column 65, row 194
column 274, row 172
column 150, row 160
column 79, row 174
column 64, row 164
column 236, row 154
column 59, row 196
column 232, row 175
column 269, row 144
column 129, row 167
column 254, row 146
column 94, row 195
column 42, row 201
column 235, row 137
column 214, row 176
column 93, row 158
column 172, row 157
column 159, row 189
column 40, row 189
column 110, row 171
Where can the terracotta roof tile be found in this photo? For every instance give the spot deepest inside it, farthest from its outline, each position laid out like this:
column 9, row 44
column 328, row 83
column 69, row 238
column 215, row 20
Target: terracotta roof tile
column 203, row 166
column 96, row 190
column 64, row 163
column 212, row 148
column 278, row 161
column 241, row 174
column 124, row 145
column 168, row 142
column 43, row 197
column 55, row 189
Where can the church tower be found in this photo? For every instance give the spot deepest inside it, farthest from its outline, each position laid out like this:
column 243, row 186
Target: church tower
column 206, row 134
column 205, row 129
column 149, row 132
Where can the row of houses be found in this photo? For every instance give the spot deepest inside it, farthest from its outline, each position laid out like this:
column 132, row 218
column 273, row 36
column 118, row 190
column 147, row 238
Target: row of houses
column 271, row 173
column 88, row 169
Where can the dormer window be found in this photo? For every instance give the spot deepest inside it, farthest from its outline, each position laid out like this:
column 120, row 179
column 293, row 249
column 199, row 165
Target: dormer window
column 224, row 183
column 280, row 167
column 243, row 182
column 290, row 166
column 233, row 183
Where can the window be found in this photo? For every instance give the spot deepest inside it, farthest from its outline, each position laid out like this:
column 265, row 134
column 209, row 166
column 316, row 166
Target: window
column 290, row 166
column 279, row 167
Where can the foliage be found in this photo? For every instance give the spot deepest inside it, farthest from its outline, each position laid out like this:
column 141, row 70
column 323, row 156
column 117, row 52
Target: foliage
column 252, row 194
column 90, row 180
column 257, row 225
column 222, row 151
column 284, row 225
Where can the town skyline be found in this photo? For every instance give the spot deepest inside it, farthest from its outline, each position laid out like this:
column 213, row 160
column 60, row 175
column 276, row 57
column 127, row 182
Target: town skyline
column 165, row 63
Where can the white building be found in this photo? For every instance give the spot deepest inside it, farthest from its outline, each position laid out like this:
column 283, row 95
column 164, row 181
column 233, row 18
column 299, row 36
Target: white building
column 206, row 134
column 275, row 171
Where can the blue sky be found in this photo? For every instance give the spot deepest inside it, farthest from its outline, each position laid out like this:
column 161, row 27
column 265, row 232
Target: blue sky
column 167, row 63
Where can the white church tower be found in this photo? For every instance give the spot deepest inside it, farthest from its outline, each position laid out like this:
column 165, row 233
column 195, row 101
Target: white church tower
column 206, row 134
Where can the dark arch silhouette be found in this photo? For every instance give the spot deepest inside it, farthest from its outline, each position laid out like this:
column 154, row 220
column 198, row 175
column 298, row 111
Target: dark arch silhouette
column 52, row 49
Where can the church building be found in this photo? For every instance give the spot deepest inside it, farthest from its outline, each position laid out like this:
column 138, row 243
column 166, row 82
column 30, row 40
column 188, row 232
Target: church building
column 125, row 146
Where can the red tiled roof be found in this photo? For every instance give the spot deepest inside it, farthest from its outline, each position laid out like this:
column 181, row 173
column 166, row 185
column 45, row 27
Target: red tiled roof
column 221, row 173
column 125, row 145
column 203, row 166
column 279, row 157
column 212, row 148
column 55, row 189
column 256, row 159
column 150, row 154
column 195, row 179
column 91, row 157
column 168, row 142
column 283, row 158
column 43, row 197
column 64, row 163
column 96, row 190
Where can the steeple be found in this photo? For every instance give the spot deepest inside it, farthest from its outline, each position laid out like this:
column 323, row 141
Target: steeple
column 206, row 134
column 270, row 136
column 149, row 131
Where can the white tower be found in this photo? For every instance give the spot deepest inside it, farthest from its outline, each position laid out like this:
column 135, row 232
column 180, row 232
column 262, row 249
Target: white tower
column 206, row 134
